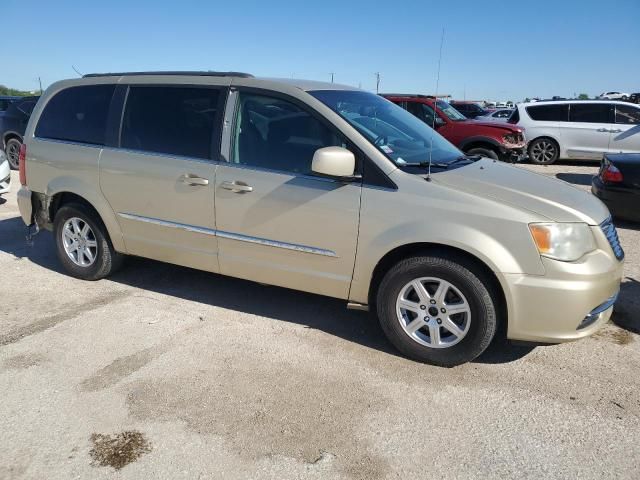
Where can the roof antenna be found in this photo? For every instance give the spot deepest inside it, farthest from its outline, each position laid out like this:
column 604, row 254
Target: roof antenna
column 433, row 125
column 76, row 70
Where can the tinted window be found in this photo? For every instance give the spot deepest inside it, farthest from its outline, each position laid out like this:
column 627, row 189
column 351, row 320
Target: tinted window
column 515, row 117
column 276, row 134
column 76, row 114
column 171, row 120
column 627, row 114
column 4, row 103
column 27, row 106
column 590, row 112
column 549, row 113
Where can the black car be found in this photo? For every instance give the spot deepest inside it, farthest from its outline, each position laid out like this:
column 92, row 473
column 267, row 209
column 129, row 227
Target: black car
column 13, row 123
column 634, row 98
column 618, row 185
column 469, row 109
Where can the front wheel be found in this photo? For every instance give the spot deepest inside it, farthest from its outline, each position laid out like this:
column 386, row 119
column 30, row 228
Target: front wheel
column 543, row 151
column 483, row 152
column 437, row 310
column 83, row 245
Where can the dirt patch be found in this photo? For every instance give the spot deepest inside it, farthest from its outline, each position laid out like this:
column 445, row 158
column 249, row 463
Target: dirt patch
column 66, row 313
column 265, row 410
column 118, row 450
column 614, row 334
column 118, row 369
column 23, row 361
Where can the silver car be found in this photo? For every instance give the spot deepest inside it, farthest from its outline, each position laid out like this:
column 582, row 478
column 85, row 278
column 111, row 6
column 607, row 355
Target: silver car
column 321, row 188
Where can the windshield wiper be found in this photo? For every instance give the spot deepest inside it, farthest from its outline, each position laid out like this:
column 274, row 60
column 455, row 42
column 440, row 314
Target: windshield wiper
column 463, row 158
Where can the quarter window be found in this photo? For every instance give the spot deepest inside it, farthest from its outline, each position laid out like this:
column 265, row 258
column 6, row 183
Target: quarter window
column 76, row 114
column 590, row 113
column 171, row 120
column 276, row 134
column 549, row 113
column 628, row 115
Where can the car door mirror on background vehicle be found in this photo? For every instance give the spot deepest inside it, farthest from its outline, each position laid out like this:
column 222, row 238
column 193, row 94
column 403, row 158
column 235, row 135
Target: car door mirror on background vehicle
column 439, row 122
column 335, row 162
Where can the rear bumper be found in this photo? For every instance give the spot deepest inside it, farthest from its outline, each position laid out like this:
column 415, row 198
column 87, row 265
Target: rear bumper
column 623, row 204
column 25, row 205
column 570, row 302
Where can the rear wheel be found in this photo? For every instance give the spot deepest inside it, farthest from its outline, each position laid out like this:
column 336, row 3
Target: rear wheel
column 483, row 152
column 83, row 245
column 543, row 151
column 437, row 310
column 13, row 152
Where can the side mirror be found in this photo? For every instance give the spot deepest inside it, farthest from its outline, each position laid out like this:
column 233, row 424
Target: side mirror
column 334, row 162
column 439, row 122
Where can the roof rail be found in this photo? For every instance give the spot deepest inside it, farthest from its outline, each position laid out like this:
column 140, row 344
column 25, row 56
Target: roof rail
column 207, row 73
column 415, row 95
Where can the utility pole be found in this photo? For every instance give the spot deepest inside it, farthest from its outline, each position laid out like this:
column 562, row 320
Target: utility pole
column 331, row 73
column 377, row 74
column 40, row 83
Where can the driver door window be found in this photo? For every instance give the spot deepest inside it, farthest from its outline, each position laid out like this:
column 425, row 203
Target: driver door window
column 276, row 134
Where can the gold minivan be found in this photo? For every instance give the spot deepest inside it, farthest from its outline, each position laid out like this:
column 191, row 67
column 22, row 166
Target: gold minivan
column 321, row 188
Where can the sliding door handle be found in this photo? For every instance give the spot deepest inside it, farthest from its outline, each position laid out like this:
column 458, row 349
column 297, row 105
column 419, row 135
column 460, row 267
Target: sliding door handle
column 237, row 187
column 194, row 180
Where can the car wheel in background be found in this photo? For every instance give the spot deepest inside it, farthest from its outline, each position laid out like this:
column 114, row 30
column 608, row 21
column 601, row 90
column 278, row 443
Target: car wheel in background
column 543, row 151
column 483, row 152
column 12, row 149
column 437, row 309
column 82, row 243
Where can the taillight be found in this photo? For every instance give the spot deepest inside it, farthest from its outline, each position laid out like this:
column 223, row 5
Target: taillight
column 21, row 164
column 611, row 174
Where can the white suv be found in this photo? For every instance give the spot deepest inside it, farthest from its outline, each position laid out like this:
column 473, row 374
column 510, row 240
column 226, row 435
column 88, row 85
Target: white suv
column 614, row 96
column 578, row 129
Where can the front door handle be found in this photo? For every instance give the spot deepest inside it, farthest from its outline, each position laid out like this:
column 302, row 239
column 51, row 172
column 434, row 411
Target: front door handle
column 237, row 187
column 194, row 180
column 603, row 130
column 617, row 130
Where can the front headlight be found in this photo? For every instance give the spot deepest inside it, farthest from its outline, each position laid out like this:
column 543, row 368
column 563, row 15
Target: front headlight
column 563, row 241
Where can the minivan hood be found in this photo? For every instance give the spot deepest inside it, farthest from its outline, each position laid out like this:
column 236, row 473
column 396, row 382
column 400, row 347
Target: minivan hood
column 549, row 197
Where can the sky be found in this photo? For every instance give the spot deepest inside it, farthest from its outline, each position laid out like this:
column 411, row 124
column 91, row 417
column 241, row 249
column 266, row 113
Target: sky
column 492, row 49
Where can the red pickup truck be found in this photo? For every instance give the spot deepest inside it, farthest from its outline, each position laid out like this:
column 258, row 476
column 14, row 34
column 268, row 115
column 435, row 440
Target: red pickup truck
column 501, row 141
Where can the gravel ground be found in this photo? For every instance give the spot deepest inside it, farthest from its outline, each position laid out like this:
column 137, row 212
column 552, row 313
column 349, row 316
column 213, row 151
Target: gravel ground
column 167, row 372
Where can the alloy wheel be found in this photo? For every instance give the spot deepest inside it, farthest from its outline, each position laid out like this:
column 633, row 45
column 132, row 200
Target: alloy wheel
column 79, row 242
column 13, row 154
column 433, row 312
column 543, row 151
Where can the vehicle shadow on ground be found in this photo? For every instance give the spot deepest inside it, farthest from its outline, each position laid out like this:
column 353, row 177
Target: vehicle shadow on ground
column 626, row 313
column 575, row 178
column 314, row 311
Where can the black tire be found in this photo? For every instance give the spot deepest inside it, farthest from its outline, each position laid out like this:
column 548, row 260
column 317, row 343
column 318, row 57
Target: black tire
column 543, row 144
column 12, row 149
column 107, row 260
column 478, row 290
column 483, row 152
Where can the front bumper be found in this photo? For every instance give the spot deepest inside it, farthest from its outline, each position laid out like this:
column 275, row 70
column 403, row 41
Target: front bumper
column 513, row 155
column 571, row 301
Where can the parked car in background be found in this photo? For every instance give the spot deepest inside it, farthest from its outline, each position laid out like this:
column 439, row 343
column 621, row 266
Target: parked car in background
column 618, row 185
column 469, row 109
column 495, row 140
column 5, row 101
column 634, row 98
column 613, row 96
column 501, row 115
column 5, row 174
column 578, row 129
column 446, row 264
column 12, row 126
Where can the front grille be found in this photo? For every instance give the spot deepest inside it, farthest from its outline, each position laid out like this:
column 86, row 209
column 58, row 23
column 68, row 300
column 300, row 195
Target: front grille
column 610, row 232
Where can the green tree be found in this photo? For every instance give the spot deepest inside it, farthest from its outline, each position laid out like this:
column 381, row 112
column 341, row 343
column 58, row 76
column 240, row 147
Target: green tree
column 583, row 96
column 13, row 92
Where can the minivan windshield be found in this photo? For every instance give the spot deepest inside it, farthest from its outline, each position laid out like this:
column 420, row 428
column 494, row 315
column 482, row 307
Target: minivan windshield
column 398, row 134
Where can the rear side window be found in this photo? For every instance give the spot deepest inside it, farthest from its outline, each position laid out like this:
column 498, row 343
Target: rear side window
column 76, row 114
column 171, row 120
column 515, row 117
column 627, row 114
column 549, row 113
column 590, row 113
